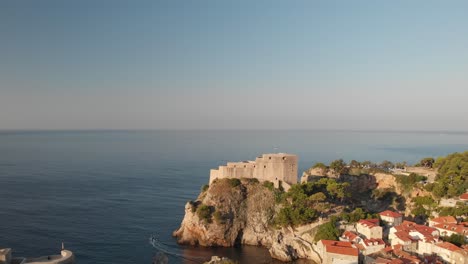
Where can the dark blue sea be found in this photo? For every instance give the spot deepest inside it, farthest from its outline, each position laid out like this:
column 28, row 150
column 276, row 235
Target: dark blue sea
column 104, row 193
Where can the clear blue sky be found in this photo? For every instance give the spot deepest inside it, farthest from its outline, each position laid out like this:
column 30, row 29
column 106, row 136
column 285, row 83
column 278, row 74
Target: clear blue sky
column 234, row 64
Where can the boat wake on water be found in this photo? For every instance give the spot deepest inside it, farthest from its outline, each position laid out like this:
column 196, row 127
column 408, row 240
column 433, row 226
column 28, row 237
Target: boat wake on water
column 166, row 249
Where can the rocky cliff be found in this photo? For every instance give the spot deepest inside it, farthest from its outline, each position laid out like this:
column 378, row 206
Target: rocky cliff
column 239, row 214
column 230, row 213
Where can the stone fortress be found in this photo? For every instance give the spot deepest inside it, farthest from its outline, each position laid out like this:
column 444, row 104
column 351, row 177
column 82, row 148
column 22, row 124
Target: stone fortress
column 276, row 168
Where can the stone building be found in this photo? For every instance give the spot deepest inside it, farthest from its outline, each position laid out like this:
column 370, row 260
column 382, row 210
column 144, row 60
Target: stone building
column 391, row 218
column 369, row 228
column 337, row 252
column 276, row 168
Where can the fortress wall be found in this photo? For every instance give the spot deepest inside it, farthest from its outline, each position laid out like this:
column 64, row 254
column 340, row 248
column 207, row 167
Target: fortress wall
column 233, row 170
column 268, row 167
column 277, row 167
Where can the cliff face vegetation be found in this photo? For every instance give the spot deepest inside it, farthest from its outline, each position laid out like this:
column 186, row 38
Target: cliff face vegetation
column 452, row 178
column 229, row 212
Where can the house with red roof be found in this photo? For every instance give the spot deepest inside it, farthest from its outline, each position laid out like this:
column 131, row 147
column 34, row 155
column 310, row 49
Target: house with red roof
column 413, row 237
column 369, row 228
column 350, row 237
column 333, row 252
column 443, row 220
column 372, row 245
column 464, row 197
column 451, row 253
column 450, row 229
column 391, row 218
column 406, row 257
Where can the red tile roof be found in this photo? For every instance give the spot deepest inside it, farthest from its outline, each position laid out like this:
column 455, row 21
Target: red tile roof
column 406, row 257
column 445, row 220
column 425, row 230
column 448, row 246
column 349, row 235
column 464, row 196
column 460, row 229
column 336, row 243
column 404, row 236
column 343, row 251
column 390, row 214
column 406, row 227
column 370, row 223
column 373, row 241
column 340, row 247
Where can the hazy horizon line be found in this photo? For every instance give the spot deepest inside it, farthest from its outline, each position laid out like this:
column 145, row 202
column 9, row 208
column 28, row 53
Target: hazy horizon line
column 232, row 129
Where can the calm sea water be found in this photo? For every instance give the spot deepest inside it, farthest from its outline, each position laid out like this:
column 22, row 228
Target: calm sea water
column 105, row 192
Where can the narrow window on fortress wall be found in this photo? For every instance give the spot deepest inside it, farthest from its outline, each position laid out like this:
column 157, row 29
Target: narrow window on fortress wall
column 264, row 166
column 284, row 158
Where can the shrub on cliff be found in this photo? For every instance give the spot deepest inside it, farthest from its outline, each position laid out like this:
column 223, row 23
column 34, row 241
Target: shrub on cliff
column 218, row 217
column 407, row 182
column 205, row 188
column 452, row 178
column 251, row 180
column 204, row 212
column 294, row 216
column 234, row 182
column 339, row 166
column 357, row 215
column 269, row 185
column 321, row 166
column 328, row 231
column 459, row 210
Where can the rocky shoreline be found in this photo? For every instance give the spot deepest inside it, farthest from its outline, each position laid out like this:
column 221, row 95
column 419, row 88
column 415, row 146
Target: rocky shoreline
column 243, row 216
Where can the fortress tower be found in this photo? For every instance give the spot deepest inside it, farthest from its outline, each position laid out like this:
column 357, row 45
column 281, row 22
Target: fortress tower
column 276, row 168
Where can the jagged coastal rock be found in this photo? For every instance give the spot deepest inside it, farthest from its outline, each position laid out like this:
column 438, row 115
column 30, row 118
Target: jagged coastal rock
column 239, row 214
column 242, row 214
column 234, row 210
column 219, row 260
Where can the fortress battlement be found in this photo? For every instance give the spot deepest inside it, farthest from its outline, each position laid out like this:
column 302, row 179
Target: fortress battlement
column 273, row 167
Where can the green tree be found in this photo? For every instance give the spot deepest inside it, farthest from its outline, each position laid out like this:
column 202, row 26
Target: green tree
column 338, row 165
column 366, row 164
column 456, row 239
column 327, row 231
column 354, row 164
column 317, row 197
column 234, row 182
column 420, row 211
column 386, row 165
column 439, row 189
column 204, row 212
column 320, row 165
column 427, row 162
